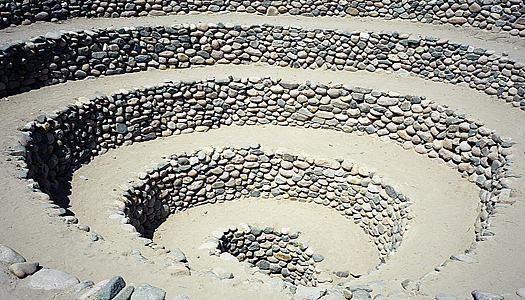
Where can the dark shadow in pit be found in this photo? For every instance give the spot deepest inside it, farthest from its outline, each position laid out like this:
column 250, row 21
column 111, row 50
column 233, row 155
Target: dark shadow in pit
column 60, row 195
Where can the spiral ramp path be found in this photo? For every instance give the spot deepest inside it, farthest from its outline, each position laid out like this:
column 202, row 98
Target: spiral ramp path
column 443, row 214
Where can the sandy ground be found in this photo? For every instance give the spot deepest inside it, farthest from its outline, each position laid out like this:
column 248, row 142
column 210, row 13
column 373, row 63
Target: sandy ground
column 445, row 205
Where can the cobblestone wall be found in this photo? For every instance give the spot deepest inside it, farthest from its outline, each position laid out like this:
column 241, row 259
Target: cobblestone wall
column 59, row 143
column 217, row 175
column 493, row 15
column 58, row 57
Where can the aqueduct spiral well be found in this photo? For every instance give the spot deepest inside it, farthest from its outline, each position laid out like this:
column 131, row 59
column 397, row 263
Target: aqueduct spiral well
column 249, row 104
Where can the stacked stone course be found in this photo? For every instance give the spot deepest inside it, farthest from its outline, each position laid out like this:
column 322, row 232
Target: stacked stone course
column 493, row 15
column 278, row 253
column 216, row 175
column 58, row 57
column 59, row 143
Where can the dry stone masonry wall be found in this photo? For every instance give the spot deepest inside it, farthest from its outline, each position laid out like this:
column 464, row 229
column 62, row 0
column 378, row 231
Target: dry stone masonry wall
column 56, row 144
column 278, row 253
column 213, row 175
column 58, row 57
column 493, row 15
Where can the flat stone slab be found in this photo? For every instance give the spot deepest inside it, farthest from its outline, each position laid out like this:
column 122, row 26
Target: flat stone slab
column 50, row 279
column 521, row 292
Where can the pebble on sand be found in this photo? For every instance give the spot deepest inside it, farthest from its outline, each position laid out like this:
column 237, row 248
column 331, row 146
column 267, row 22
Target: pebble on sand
column 446, row 296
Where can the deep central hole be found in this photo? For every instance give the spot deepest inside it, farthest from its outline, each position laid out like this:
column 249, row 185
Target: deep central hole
column 275, row 252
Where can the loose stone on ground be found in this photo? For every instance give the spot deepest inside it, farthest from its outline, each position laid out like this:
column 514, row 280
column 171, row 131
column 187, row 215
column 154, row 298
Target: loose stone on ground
column 50, row 279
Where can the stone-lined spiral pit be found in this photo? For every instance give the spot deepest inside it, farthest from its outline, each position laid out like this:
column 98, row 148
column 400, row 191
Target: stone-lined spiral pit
column 213, row 175
column 276, row 252
column 58, row 57
column 59, row 143
column 491, row 15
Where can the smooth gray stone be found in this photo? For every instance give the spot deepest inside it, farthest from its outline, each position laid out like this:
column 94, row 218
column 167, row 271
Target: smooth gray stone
column 360, row 295
column 125, row 293
column 480, row 295
column 9, row 255
column 464, row 258
column 83, row 285
column 341, row 274
column 222, row 273
column 50, row 279
column 178, row 255
column 402, row 73
column 318, row 257
column 112, row 288
column 18, row 150
column 310, row 293
column 23, row 269
column 521, row 292
column 410, row 285
column 446, row 296
column 359, row 287
column 93, row 237
column 147, row 292
column 263, row 265
column 394, row 293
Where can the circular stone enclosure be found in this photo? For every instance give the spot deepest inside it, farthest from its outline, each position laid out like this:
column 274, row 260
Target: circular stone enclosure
column 59, row 143
column 54, row 146
column 216, row 175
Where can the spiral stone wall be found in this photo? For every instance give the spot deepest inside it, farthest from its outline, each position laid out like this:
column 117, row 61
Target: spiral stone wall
column 216, row 175
column 494, row 15
column 56, row 144
column 275, row 252
column 58, row 57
